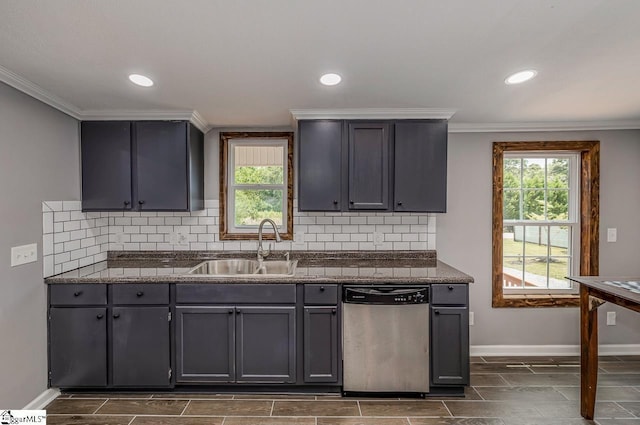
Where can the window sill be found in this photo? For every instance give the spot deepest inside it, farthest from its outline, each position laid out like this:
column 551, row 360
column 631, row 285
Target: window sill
column 537, row 300
column 253, row 236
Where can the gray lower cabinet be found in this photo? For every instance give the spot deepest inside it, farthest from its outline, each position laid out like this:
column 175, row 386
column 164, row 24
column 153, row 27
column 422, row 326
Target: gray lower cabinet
column 94, row 342
column 78, row 347
column 244, row 344
column 321, row 345
column 140, row 347
column 449, row 334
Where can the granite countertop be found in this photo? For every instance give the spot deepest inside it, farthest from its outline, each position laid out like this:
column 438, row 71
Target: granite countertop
column 351, row 267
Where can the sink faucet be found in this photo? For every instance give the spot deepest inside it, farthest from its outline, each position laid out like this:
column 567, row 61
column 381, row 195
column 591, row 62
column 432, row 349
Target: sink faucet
column 262, row 252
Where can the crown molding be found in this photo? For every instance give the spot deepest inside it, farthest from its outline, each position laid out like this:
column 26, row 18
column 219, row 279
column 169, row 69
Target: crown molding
column 543, row 126
column 372, row 113
column 17, row 82
column 199, row 121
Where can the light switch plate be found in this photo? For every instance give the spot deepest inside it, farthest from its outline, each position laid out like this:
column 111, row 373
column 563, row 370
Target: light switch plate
column 611, row 318
column 24, row 254
column 612, row 234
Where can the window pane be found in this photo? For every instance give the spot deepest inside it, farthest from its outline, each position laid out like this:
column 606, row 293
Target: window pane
column 512, row 242
column 558, row 204
column 558, row 173
column 535, row 241
column 511, row 204
column 511, row 175
column 533, row 173
column 559, row 267
column 535, row 272
column 533, row 205
column 258, row 164
column 252, row 206
column 512, row 272
column 512, row 251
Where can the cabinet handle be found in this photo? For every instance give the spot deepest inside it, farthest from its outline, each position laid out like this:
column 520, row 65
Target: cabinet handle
column 77, row 294
column 126, row 203
column 351, row 202
column 322, row 289
column 115, row 316
column 230, row 311
column 141, row 202
column 238, row 311
column 335, row 202
column 99, row 316
column 450, row 287
column 400, row 203
column 139, row 294
column 334, row 311
column 436, row 311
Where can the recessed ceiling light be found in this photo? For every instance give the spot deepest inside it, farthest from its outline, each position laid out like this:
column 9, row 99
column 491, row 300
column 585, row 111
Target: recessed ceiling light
column 521, row 77
column 141, row 80
column 330, row 79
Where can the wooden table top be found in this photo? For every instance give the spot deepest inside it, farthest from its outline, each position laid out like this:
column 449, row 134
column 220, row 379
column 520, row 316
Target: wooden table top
column 627, row 288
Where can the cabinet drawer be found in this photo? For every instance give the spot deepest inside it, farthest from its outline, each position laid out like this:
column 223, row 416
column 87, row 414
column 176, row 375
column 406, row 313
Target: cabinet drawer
column 449, row 294
column 140, row 294
column 204, row 293
column 82, row 294
column 321, row 294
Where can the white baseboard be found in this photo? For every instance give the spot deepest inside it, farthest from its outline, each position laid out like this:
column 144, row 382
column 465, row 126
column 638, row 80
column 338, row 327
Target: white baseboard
column 43, row 399
column 551, row 350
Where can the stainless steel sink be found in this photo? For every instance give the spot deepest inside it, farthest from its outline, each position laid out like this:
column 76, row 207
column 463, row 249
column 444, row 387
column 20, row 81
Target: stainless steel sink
column 241, row 267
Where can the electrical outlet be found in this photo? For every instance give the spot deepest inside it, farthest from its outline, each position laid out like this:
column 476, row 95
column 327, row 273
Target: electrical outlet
column 24, row 254
column 298, row 239
column 378, row 238
column 612, row 234
column 472, row 319
column 611, row 318
column 178, row 238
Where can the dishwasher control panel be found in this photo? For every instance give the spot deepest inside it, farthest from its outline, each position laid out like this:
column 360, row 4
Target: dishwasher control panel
column 385, row 295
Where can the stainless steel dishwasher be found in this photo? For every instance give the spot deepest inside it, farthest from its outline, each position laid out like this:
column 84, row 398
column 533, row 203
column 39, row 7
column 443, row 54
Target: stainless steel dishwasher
column 385, row 339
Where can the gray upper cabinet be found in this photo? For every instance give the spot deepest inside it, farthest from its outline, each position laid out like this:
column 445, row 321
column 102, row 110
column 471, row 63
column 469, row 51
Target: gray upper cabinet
column 106, row 165
column 152, row 166
column 320, row 170
column 420, row 182
column 368, row 166
column 390, row 165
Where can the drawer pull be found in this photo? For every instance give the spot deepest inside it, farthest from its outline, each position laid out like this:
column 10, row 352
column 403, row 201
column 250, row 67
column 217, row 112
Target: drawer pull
column 115, row 316
column 77, row 294
column 334, row 311
column 450, row 287
column 436, row 311
column 139, row 294
column 322, row 289
column 230, row 311
column 99, row 316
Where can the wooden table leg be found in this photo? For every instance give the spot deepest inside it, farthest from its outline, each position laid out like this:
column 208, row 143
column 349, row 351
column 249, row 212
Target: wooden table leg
column 588, row 354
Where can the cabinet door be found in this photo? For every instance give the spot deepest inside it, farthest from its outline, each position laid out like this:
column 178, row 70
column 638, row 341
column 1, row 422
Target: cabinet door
column 368, row 166
column 78, row 347
column 106, row 165
column 140, row 346
column 320, row 165
column 205, row 348
column 161, row 165
column 450, row 345
column 420, row 182
column 321, row 344
column 265, row 344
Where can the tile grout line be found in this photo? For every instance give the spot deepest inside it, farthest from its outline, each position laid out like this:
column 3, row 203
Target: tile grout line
column 100, row 407
column 447, row 407
column 185, row 407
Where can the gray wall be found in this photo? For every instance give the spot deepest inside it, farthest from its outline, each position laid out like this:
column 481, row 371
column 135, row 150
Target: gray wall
column 464, row 237
column 38, row 161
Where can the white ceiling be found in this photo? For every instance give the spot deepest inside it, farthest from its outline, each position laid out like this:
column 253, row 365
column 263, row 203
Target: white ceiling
column 248, row 62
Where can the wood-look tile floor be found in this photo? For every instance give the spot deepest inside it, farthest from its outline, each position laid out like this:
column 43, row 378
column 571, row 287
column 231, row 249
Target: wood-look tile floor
column 503, row 391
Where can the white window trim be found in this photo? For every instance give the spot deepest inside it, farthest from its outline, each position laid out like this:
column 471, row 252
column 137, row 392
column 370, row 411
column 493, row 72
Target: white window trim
column 232, row 186
column 573, row 222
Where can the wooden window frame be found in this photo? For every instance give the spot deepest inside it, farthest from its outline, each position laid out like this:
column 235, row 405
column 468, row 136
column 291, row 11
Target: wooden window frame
column 225, row 138
column 589, row 219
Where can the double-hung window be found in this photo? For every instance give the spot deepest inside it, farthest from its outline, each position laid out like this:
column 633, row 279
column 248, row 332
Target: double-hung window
column 255, row 183
column 545, row 221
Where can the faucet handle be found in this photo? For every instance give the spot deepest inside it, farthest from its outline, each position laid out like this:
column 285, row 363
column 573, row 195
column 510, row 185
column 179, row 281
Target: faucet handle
column 286, row 255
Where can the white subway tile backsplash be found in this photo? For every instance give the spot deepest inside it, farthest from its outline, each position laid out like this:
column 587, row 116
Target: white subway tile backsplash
column 71, row 237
